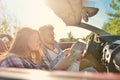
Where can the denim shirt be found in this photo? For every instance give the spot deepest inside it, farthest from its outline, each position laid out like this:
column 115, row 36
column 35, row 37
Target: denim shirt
column 52, row 62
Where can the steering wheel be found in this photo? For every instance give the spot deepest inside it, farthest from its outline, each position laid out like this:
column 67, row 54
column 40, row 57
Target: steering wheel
column 89, row 46
column 94, row 53
column 7, row 36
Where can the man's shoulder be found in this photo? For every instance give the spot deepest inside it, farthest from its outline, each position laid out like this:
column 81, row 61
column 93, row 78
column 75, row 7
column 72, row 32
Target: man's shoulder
column 56, row 44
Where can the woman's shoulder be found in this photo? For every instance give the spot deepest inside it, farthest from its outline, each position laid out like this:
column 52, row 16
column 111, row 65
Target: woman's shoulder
column 12, row 56
column 11, row 60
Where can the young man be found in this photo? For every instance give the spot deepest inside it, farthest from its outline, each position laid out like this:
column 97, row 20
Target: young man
column 52, row 51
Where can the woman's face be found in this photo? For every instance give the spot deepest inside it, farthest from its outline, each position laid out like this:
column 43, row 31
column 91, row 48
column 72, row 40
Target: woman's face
column 34, row 42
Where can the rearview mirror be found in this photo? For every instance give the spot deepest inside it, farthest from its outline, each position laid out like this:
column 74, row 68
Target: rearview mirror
column 71, row 11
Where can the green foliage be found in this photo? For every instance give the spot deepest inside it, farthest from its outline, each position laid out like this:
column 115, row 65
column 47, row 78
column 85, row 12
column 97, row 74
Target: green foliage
column 113, row 27
column 8, row 21
column 114, row 4
column 87, row 37
column 70, row 38
column 4, row 27
column 113, row 24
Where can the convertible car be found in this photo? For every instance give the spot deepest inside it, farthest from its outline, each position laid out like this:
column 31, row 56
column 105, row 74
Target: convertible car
column 102, row 50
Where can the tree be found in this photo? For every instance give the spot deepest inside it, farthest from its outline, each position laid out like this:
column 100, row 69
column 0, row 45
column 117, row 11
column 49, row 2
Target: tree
column 70, row 38
column 4, row 27
column 8, row 21
column 113, row 24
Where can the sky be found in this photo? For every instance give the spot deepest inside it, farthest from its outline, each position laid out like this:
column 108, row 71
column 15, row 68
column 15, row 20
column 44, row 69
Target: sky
column 34, row 13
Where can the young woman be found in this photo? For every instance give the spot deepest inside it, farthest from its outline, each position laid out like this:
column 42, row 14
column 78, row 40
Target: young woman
column 25, row 51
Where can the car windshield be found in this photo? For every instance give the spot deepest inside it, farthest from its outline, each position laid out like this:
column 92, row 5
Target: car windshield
column 107, row 17
column 101, row 17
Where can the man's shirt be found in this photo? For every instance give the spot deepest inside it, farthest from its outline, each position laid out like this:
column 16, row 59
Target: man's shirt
column 52, row 57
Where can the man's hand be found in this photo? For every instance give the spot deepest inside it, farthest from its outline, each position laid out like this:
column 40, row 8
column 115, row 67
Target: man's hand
column 66, row 51
column 63, row 64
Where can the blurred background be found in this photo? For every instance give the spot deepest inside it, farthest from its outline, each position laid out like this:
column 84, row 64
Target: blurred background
column 34, row 13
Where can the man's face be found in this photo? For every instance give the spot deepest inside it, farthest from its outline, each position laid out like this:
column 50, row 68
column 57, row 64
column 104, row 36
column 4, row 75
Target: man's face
column 48, row 37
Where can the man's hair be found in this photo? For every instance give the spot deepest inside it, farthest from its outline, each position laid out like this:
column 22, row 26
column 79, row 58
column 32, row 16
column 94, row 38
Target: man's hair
column 46, row 28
